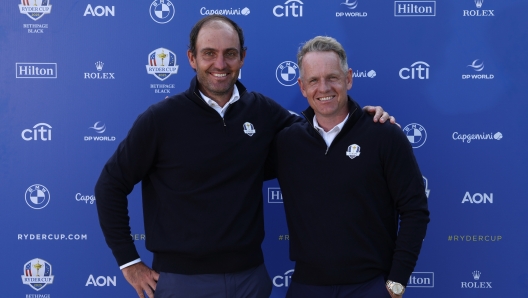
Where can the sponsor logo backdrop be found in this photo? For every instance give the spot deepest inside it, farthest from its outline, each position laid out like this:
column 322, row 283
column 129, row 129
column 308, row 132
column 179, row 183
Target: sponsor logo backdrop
column 76, row 74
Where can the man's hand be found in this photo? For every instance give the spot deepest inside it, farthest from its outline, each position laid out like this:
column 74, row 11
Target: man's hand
column 379, row 114
column 141, row 278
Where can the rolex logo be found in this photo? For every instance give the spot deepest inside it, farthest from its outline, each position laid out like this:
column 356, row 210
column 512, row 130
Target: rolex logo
column 99, row 65
column 476, row 274
column 479, row 3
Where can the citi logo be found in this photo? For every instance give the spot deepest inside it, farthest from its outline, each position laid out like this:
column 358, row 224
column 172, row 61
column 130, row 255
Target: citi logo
column 274, row 195
column 101, row 281
column 478, row 198
column 36, row 70
column 99, row 11
column 478, row 12
column 283, row 281
column 414, row 8
column 418, row 70
column 421, row 280
column 41, row 131
column 290, row 8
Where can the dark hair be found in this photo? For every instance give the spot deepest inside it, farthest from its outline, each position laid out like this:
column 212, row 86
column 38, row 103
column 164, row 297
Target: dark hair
column 198, row 26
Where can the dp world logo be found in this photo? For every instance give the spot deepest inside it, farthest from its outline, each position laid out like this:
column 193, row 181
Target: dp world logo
column 35, row 9
column 162, row 63
column 37, row 196
column 416, row 134
column 287, row 73
column 37, row 274
column 162, row 11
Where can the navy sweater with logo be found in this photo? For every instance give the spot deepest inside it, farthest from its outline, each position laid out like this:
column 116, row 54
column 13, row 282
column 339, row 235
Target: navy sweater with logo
column 343, row 210
column 201, row 177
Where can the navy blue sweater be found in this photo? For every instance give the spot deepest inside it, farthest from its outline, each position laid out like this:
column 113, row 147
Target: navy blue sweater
column 343, row 213
column 201, row 178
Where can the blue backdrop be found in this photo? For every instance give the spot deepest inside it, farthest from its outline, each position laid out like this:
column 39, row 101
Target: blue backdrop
column 74, row 75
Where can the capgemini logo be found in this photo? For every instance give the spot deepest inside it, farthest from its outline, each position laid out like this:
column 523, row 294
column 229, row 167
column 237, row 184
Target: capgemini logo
column 479, row 3
column 476, row 274
column 99, row 65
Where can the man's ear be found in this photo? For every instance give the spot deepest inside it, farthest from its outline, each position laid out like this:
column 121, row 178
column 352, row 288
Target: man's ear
column 301, row 86
column 192, row 59
column 349, row 78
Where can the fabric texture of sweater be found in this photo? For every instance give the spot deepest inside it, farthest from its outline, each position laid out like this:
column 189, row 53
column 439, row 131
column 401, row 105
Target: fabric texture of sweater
column 345, row 203
column 201, row 178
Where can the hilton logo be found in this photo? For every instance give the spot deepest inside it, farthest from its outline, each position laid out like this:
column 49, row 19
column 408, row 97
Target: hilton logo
column 421, row 280
column 414, row 8
column 36, row 70
column 274, row 195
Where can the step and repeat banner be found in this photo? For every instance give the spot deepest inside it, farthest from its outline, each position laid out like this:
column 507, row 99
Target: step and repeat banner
column 74, row 75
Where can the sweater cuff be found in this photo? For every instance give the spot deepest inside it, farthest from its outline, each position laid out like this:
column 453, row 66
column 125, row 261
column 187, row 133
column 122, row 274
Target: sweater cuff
column 129, row 264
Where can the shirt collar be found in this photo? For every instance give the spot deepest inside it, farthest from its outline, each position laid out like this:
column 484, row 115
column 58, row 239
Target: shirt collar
column 234, row 97
column 336, row 128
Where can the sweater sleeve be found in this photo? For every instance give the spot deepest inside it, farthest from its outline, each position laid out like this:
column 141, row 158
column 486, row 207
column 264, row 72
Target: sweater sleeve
column 280, row 119
column 408, row 192
column 129, row 164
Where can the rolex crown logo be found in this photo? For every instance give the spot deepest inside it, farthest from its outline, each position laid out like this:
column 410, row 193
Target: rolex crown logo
column 99, row 65
column 476, row 274
column 479, row 3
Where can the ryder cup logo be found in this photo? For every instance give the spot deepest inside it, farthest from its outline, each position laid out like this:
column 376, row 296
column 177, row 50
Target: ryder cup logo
column 35, row 10
column 249, row 129
column 37, row 196
column 416, row 134
column 353, row 151
column 37, row 274
column 287, row 73
column 162, row 11
column 162, row 63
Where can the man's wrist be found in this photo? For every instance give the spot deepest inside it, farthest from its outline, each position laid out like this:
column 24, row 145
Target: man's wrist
column 395, row 288
column 129, row 264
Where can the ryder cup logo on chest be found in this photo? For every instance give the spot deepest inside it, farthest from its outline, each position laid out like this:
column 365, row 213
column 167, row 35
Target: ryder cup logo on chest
column 249, row 129
column 162, row 63
column 35, row 9
column 353, row 151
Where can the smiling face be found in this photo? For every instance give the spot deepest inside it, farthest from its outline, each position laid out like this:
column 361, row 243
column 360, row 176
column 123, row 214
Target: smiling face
column 325, row 85
column 218, row 60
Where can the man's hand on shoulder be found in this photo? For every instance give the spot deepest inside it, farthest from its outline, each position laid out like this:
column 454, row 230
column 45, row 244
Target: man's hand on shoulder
column 141, row 278
column 379, row 114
